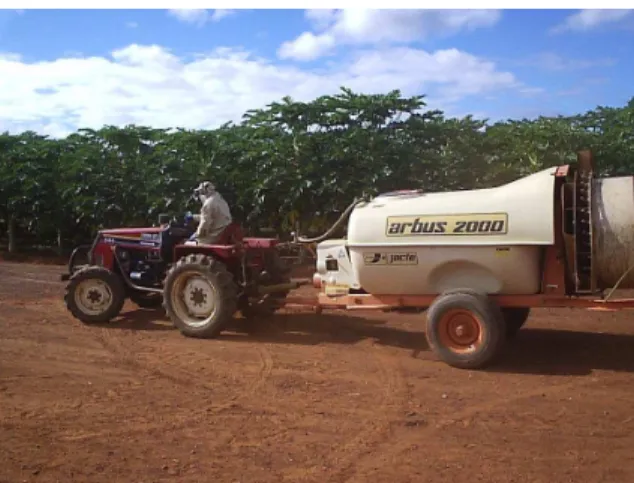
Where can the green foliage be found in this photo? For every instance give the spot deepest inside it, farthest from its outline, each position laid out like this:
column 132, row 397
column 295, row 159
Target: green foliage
column 289, row 163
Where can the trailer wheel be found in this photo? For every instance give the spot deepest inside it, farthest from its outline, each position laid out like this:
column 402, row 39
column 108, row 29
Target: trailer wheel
column 200, row 296
column 515, row 318
column 465, row 329
column 94, row 295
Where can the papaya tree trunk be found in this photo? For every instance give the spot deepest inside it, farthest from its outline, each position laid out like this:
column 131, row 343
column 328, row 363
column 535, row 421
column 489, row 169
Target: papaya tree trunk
column 11, row 233
column 60, row 243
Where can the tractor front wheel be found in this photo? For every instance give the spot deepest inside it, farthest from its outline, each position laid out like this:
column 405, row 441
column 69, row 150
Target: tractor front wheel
column 94, row 295
column 466, row 330
column 200, row 296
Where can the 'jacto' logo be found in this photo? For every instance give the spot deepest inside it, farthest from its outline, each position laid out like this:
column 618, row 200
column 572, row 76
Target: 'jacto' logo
column 390, row 259
column 375, row 258
column 472, row 224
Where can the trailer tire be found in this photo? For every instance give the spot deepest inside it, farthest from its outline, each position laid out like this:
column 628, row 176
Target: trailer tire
column 515, row 318
column 465, row 329
column 213, row 296
column 469, row 291
column 99, row 284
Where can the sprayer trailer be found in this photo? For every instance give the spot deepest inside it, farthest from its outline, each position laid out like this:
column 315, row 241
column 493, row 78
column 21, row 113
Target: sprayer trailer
column 479, row 260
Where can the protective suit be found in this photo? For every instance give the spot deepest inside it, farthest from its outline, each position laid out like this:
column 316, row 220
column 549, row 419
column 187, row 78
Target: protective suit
column 214, row 216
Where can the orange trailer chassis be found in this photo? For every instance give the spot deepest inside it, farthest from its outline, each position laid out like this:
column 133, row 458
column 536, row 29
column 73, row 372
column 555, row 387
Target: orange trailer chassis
column 389, row 302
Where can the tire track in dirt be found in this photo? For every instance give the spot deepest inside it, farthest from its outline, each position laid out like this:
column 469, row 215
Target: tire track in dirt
column 163, row 366
column 15, row 278
column 131, row 428
column 23, row 303
column 389, row 452
column 125, row 346
column 185, row 378
column 393, row 399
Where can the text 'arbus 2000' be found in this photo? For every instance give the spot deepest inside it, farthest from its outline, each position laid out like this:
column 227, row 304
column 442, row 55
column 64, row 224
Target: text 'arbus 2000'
column 468, row 224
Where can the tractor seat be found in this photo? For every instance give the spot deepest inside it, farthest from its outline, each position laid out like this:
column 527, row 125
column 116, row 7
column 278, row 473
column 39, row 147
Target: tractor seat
column 231, row 235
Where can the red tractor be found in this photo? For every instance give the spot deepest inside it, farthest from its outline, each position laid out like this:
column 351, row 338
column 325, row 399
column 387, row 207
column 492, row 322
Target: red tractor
column 200, row 286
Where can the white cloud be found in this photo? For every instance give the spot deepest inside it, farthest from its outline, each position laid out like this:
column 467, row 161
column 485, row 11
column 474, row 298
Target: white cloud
column 189, row 15
column 307, row 46
column 221, row 13
column 531, row 91
column 585, row 20
column 555, row 62
column 147, row 84
column 366, row 27
column 199, row 16
column 131, row 25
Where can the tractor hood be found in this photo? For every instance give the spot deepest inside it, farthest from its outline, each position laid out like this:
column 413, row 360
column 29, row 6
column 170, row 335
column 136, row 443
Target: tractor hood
column 131, row 231
column 132, row 234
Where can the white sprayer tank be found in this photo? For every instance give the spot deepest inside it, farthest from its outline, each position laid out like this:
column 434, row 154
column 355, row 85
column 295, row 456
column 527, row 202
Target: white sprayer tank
column 489, row 239
column 613, row 221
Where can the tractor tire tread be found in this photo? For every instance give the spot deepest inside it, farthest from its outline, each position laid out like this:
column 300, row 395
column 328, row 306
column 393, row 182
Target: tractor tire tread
column 91, row 271
column 227, row 290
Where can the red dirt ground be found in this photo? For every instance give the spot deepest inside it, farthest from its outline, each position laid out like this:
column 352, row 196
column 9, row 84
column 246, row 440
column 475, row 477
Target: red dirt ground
column 306, row 398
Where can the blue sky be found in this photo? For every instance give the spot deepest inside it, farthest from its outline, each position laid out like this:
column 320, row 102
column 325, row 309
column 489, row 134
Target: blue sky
column 63, row 69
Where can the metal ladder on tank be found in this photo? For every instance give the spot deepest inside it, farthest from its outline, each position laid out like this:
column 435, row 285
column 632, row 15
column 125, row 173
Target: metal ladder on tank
column 582, row 213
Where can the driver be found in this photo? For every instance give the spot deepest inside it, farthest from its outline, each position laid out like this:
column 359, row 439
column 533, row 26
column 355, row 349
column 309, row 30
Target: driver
column 214, row 216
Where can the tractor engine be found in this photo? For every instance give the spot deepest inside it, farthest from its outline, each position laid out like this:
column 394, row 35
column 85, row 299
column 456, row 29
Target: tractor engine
column 144, row 268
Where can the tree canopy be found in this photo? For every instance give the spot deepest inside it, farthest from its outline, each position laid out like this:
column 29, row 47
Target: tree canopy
column 290, row 162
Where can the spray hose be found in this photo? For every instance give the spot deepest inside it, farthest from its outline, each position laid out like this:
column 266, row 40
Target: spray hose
column 299, row 239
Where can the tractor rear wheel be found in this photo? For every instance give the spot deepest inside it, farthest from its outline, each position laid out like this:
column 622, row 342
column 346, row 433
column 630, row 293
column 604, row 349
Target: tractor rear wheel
column 200, row 296
column 94, row 295
column 465, row 329
column 515, row 318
